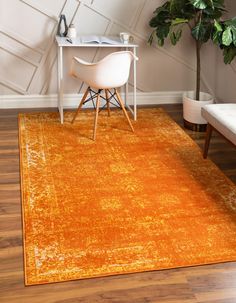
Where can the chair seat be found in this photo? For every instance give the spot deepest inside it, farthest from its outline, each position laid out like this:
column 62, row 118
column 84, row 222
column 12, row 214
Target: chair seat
column 223, row 118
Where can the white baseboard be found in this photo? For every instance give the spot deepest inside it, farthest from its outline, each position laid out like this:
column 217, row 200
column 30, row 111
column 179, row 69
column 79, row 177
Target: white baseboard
column 72, row 100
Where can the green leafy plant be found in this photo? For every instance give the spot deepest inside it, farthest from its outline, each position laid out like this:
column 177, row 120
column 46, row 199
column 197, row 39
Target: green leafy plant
column 203, row 18
column 225, row 36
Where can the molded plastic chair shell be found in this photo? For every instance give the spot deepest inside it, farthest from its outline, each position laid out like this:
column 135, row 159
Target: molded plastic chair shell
column 110, row 72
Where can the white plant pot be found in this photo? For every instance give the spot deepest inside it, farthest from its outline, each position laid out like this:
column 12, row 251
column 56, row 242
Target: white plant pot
column 192, row 108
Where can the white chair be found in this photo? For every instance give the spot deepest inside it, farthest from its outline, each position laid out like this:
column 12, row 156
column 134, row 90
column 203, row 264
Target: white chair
column 222, row 118
column 109, row 73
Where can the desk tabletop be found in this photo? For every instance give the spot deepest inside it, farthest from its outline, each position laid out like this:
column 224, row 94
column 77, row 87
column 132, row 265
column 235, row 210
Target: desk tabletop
column 77, row 42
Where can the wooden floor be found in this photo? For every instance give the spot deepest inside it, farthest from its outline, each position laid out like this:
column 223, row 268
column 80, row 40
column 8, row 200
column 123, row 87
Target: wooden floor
column 208, row 284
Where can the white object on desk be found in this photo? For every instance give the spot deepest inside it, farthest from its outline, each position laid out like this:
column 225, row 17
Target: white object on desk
column 99, row 39
column 62, row 42
column 125, row 38
column 71, row 32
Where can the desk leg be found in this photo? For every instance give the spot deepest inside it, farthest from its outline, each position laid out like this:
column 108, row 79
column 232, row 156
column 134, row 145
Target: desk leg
column 60, row 82
column 126, row 93
column 126, row 88
column 135, row 86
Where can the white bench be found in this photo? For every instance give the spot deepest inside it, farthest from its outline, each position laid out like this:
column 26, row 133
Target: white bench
column 222, row 118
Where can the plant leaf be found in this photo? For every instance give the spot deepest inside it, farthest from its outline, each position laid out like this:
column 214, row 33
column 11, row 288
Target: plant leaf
column 161, row 15
column 173, row 38
column 160, row 42
column 202, row 31
column 231, row 22
column 217, row 26
column 217, row 32
column 178, row 21
column 178, row 34
column 197, row 31
column 210, row 3
column 163, row 30
column 150, row 39
column 176, row 6
column 229, row 54
column 233, row 31
column 219, row 4
column 227, row 37
column 200, row 4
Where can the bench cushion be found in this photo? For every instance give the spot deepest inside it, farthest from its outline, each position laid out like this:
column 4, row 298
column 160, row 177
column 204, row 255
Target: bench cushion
column 223, row 118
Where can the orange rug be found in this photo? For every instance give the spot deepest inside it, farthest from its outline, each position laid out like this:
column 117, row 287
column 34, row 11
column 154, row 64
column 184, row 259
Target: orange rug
column 123, row 204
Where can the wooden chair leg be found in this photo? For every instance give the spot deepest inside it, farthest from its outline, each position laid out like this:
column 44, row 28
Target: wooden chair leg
column 123, row 108
column 81, row 104
column 207, row 140
column 108, row 103
column 96, row 116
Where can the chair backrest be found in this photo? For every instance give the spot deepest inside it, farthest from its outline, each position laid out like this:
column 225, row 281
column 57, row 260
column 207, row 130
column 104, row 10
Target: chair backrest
column 111, row 72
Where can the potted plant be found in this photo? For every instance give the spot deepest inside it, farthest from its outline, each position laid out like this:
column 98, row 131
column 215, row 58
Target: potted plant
column 202, row 18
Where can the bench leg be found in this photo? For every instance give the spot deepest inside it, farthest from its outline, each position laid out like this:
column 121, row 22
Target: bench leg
column 207, row 140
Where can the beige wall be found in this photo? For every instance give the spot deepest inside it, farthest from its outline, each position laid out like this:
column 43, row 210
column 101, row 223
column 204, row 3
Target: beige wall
column 28, row 51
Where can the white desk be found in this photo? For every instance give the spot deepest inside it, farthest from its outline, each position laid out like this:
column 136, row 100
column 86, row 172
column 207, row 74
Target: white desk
column 61, row 42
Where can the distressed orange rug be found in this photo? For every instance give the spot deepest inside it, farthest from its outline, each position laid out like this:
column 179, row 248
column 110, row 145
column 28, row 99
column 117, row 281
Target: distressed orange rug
column 123, row 204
